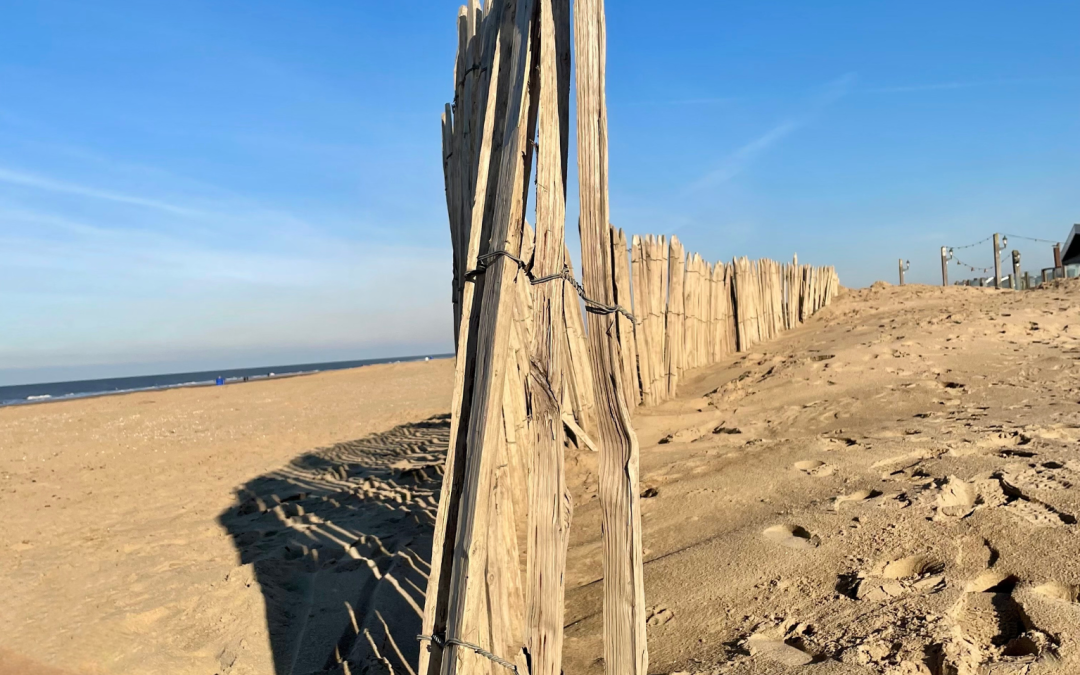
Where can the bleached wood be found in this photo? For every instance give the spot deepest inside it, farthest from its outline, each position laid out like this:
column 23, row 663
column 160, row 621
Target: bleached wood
column 549, row 513
column 582, row 437
column 468, row 611
column 494, row 75
column 623, row 324
column 578, row 366
column 641, row 309
column 673, row 356
column 625, row 648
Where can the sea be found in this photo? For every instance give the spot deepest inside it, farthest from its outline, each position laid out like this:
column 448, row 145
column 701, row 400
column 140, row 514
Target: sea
column 21, row 394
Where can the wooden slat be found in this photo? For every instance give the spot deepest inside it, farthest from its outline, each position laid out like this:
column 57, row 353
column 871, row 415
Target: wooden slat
column 625, row 648
column 469, row 613
column 623, row 324
column 549, row 512
column 579, row 379
column 656, row 266
column 673, row 356
column 496, row 27
column 641, row 311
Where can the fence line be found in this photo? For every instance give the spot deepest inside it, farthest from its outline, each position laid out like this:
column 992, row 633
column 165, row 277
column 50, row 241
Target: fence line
column 529, row 368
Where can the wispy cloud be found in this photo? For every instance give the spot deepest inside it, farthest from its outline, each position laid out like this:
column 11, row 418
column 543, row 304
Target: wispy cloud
column 970, row 84
column 737, row 161
column 704, row 100
column 30, row 180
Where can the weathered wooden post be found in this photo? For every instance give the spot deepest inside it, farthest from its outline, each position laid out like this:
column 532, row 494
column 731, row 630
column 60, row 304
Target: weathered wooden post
column 1057, row 261
column 549, row 506
column 625, row 326
column 1016, row 270
column 1027, row 281
column 625, row 649
column 945, row 253
column 997, row 260
column 903, row 268
column 673, row 355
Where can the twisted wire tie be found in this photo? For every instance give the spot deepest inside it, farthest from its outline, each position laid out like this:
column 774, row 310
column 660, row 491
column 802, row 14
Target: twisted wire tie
column 591, row 306
column 441, row 643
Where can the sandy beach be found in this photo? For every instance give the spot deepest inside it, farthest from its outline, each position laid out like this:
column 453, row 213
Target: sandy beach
column 892, row 488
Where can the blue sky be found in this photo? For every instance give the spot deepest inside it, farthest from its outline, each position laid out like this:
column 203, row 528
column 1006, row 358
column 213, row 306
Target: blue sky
column 195, row 185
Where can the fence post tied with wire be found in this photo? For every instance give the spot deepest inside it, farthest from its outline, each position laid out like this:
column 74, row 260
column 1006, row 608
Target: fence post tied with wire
column 545, row 363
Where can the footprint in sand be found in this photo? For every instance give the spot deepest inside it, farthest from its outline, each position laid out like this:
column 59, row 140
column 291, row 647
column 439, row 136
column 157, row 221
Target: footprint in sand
column 992, row 626
column 1045, row 476
column 894, row 578
column 1033, row 510
column 778, row 651
column 855, row 498
column 791, row 536
column 813, row 467
column 1055, row 590
column 957, row 498
column 658, row 616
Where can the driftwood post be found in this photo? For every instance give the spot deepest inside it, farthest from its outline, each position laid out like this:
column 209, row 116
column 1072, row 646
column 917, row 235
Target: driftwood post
column 625, row 649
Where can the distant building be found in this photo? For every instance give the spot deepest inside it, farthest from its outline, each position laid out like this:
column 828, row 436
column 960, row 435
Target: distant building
column 1070, row 252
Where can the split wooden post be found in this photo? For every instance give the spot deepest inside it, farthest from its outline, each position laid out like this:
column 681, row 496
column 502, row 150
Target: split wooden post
column 642, row 310
column 625, row 648
column 656, row 266
column 494, row 33
column 577, row 364
column 675, row 320
column 549, row 504
column 624, row 324
column 465, row 612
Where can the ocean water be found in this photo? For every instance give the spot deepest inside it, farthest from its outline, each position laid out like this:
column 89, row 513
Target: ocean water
column 53, row 391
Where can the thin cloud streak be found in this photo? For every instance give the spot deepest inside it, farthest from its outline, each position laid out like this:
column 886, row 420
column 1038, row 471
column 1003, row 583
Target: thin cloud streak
column 707, row 100
column 945, row 86
column 37, row 182
column 737, row 162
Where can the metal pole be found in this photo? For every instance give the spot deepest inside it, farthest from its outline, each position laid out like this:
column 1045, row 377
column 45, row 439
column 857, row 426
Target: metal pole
column 944, row 268
column 901, row 271
column 997, row 260
column 1016, row 270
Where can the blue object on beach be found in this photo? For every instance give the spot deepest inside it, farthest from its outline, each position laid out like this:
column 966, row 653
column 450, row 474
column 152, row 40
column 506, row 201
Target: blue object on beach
column 220, row 380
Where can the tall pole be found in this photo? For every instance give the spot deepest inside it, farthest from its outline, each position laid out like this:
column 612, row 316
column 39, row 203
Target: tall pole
column 997, row 260
column 1016, row 270
column 1057, row 259
column 901, row 271
column 944, row 267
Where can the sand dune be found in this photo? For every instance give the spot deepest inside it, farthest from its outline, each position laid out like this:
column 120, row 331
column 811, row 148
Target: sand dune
column 893, row 488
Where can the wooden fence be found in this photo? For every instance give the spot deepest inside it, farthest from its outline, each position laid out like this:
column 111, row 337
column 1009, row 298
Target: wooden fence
column 534, row 372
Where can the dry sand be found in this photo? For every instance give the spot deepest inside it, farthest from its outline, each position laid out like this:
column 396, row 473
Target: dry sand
column 892, row 488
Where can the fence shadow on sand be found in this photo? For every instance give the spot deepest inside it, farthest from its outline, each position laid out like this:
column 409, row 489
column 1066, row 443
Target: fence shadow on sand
column 340, row 542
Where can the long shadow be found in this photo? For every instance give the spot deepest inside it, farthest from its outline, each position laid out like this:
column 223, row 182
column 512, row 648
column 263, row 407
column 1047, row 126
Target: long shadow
column 340, row 542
